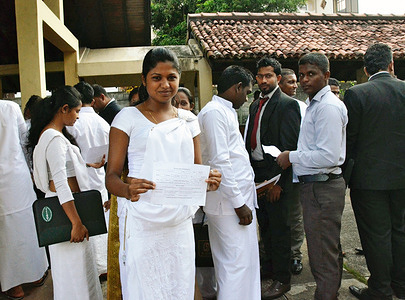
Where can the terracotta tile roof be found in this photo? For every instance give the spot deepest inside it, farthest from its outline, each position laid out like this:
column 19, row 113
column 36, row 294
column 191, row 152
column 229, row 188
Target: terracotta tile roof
column 291, row 35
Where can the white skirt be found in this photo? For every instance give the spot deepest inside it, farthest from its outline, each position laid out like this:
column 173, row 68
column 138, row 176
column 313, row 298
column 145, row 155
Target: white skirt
column 21, row 259
column 157, row 264
column 74, row 272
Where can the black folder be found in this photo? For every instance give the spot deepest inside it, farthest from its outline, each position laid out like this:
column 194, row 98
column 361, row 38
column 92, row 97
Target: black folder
column 52, row 224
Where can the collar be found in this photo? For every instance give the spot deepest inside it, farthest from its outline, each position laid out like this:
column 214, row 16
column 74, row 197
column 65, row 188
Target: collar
column 87, row 109
column 111, row 101
column 375, row 74
column 223, row 101
column 269, row 94
column 319, row 95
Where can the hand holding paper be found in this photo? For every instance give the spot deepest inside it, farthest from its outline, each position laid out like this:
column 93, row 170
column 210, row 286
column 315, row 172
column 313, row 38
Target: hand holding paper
column 268, row 184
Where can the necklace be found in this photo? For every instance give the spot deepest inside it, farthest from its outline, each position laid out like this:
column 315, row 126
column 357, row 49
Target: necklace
column 155, row 121
column 150, row 113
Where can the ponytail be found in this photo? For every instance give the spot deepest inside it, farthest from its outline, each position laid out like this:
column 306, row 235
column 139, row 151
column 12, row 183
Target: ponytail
column 45, row 110
column 41, row 115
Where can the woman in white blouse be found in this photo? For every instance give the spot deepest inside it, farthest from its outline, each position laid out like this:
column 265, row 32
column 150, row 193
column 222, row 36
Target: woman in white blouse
column 60, row 170
column 156, row 241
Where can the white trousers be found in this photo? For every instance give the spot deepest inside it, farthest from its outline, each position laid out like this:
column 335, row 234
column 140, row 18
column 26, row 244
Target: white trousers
column 235, row 253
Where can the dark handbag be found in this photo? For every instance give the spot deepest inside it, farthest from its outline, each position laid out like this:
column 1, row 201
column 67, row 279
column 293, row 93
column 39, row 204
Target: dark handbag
column 203, row 255
column 52, row 224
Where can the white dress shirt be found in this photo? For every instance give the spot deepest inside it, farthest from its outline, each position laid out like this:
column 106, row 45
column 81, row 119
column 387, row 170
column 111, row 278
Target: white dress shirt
column 89, row 131
column 257, row 154
column 322, row 140
column 222, row 148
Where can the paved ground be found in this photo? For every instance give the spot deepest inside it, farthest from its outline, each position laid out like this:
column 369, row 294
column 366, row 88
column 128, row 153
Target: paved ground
column 303, row 285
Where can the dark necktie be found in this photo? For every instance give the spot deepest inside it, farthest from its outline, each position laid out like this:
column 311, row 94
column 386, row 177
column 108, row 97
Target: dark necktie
column 253, row 142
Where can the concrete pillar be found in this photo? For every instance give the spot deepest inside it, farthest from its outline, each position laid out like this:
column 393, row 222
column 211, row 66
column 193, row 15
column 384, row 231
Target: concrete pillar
column 70, row 68
column 30, row 49
column 204, row 79
column 56, row 6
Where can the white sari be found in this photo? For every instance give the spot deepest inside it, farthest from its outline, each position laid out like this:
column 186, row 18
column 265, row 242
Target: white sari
column 157, row 249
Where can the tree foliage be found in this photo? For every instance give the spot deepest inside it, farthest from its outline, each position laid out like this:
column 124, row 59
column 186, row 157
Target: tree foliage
column 169, row 17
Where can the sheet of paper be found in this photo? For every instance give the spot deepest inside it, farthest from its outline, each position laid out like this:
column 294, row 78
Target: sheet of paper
column 272, row 150
column 179, row 184
column 272, row 181
column 95, row 154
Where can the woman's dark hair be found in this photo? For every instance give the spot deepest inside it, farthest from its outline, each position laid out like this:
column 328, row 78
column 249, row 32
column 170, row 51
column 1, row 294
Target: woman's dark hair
column 190, row 97
column 133, row 92
column 30, row 104
column 152, row 58
column 45, row 110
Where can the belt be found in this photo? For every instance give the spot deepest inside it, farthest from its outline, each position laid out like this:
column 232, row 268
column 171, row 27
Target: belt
column 318, row 177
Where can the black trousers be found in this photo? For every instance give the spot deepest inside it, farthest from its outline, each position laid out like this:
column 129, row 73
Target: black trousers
column 273, row 219
column 380, row 217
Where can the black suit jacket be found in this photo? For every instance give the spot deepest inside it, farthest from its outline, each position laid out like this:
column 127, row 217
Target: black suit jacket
column 376, row 133
column 109, row 112
column 280, row 126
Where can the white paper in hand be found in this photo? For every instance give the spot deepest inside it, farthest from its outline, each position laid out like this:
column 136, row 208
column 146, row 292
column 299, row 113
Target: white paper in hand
column 272, row 150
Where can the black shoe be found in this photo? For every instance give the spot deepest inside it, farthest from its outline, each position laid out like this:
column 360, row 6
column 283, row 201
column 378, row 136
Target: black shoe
column 364, row 294
column 359, row 293
column 276, row 290
column 296, row 266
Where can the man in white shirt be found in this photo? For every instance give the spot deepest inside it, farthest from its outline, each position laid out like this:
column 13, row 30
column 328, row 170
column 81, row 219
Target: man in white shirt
column 317, row 160
column 231, row 209
column 21, row 259
column 91, row 131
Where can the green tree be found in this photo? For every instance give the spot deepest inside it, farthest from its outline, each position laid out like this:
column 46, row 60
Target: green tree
column 169, row 17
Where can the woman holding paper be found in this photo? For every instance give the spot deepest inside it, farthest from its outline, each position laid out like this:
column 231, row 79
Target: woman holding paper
column 156, row 241
column 59, row 170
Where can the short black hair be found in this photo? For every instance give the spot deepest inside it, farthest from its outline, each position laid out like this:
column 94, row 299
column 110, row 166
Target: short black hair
column 377, row 58
column 233, row 75
column 267, row 61
column 86, row 90
column 333, row 81
column 317, row 59
column 285, row 72
column 98, row 90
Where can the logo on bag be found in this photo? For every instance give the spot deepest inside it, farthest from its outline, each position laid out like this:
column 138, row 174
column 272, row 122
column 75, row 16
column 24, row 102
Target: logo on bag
column 46, row 214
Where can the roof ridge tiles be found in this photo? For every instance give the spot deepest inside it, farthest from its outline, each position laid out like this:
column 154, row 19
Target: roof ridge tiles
column 285, row 15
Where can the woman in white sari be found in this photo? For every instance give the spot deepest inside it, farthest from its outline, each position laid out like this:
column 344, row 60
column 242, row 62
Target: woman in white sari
column 60, row 170
column 156, row 241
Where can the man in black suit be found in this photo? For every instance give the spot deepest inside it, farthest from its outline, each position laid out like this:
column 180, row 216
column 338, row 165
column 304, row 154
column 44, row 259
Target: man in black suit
column 376, row 143
column 273, row 120
column 106, row 107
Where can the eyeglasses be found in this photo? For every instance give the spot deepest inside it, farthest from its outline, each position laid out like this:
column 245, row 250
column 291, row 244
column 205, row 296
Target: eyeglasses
column 336, row 92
